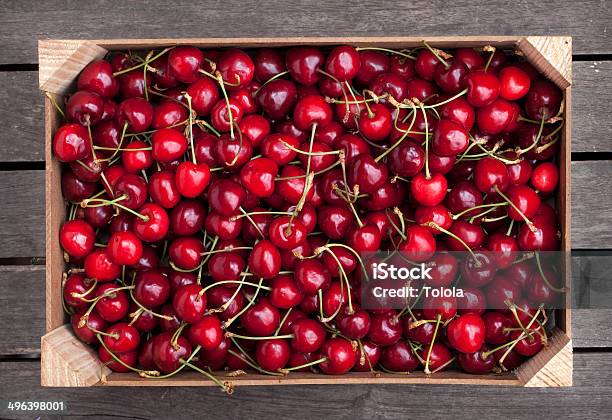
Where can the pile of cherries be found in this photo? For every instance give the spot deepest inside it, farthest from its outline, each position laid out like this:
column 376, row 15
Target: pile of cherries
column 222, row 205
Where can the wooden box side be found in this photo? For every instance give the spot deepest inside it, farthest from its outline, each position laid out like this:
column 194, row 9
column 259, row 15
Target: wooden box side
column 61, row 62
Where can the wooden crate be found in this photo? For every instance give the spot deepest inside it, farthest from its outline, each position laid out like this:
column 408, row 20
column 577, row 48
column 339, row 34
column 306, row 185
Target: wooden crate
column 67, row 362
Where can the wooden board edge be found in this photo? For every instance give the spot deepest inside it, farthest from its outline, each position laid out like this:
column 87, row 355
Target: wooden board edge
column 60, row 61
column 552, row 366
column 67, row 362
column 55, row 213
column 552, row 55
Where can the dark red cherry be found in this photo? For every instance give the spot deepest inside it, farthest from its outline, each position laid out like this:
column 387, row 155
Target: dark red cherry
column 225, row 197
column 220, row 116
column 490, row 174
column 77, row 290
column 98, row 77
column 204, row 95
column 495, row 117
column 207, row 332
column 343, row 62
column 472, row 235
column 529, row 345
column 236, row 68
column 303, row 64
column 268, row 63
column 85, row 107
column 543, row 100
column 471, row 58
column 524, row 199
column 364, row 239
column 272, row 355
column 122, row 338
column 354, row 325
column 500, row 290
column 124, row 248
column 399, row 357
column 285, row 293
column 137, row 113
column 496, row 324
column 438, row 214
column 541, row 235
column 75, row 190
column 311, row 276
column 407, row 159
column 445, row 307
column 189, row 303
column 429, row 191
column 385, row 329
column 402, row 66
column 373, row 63
column 308, row 335
column 261, row 319
column 265, row 260
column 367, row 173
column 71, row 142
column 466, row 333
column 77, row 238
column 152, row 289
column 425, row 64
column 478, row 362
column 482, row 88
column 187, row 217
column 156, row 227
column 312, row 110
column 459, row 111
column 514, row 83
column 86, row 332
column 340, row 356
column 277, row 98
column 390, row 84
column 168, row 354
column 451, row 77
column 186, row 252
column 113, row 304
column 450, row 138
column 185, row 63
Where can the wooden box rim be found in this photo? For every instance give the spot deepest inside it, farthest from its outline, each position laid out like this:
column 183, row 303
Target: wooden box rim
column 66, row 362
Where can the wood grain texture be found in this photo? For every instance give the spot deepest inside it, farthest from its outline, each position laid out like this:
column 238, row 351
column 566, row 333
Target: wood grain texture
column 552, row 55
column 588, row 398
column 21, row 111
column 22, row 23
column 22, row 227
column 68, row 362
column 21, row 309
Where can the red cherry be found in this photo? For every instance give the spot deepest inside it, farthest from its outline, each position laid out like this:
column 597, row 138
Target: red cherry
column 365, row 239
column 514, row 83
column 428, row 191
column 451, row 77
column 523, row 198
column 261, row 319
column 343, row 62
column 438, row 214
column 186, row 252
column 478, row 362
column 232, row 153
column 185, row 62
column 71, row 142
column 204, row 95
column 385, row 329
column 77, row 238
column 258, row 176
column 450, row 138
column 137, row 113
column 255, row 128
column 466, row 333
column 152, row 289
column 373, row 63
column 168, row 354
column 401, row 66
column 168, row 145
column 311, row 276
column 220, row 116
column 419, row 245
column 543, row 100
column 495, row 328
column 471, row 58
column 85, row 107
column 542, row 235
column 311, row 110
column 191, row 178
column 545, row 177
column 86, row 332
column 308, row 335
column 340, row 356
column 99, row 266
column 439, row 356
column 98, row 77
column 122, row 338
column 113, row 304
column 375, row 124
column 187, row 217
column 189, row 303
column 367, row 173
column 368, row 357
column 495, row 117
column 303, row 64
column 482, row 88
column 425, row 64
column 529, row 345
column 445, row 307
column 489, row 174
column 79, row 285
column 390, row 84
column 459, row 111
column 207, row 332
column 124, row 248
column 272, row 355
column 236, row 68
column 285, row 294
column 268, row 63
column 265, row 260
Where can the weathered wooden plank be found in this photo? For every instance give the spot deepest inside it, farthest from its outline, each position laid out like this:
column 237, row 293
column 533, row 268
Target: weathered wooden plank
column 590, row 113
column 22, row 303
column 21, row 111
column 588, row 398
column 22, row 23
column 21, row 107
column 22, row 224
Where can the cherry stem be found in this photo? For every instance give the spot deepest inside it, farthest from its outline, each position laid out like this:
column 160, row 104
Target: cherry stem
column 276, row 76
column 122, row 150
column 386, row 50
column 55, row 104
column 102, row 202
column 108, row 293
column 404, row 136
column 512, row 343
column 438, row 53
column 255, row 213
column 254, row 365
column 210, row 286
column 282, row 322
column 86, row 292
column 433, row 339
column 397, row 229
column 342, row 277
column 491, row 49
column 226, row 387
column 216, row 77
column 302, row 152
column 316, row 362
column 434, row 225
column 489, row 219
column 481, row 206
column 121, row 362
column 255, row 225
column 144, row 63
column 145, row 309
column 246, row 337
column 351, row 250
column 535, row 142
column 205, row 124
column 505, row 197
column 342, row 159
column 541, row 271
column 116, row 151
column 177, row 334
column 219, row 78
column 193, row 156
column 228, row 249
column 246, row 307
column 427, row 174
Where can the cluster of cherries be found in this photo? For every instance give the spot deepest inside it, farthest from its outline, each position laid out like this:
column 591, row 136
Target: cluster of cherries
column 222, row 205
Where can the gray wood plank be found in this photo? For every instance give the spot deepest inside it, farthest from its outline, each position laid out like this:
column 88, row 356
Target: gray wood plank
column 22, row 220
column 591, row 115
column 588, row 398
column 22, row 113
column 21, row 107
column 22, row 309
column 22, row 23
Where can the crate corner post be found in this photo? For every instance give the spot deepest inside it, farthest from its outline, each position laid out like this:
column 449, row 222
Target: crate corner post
column 550, row 368
column 60, row 62
column 67, row 362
